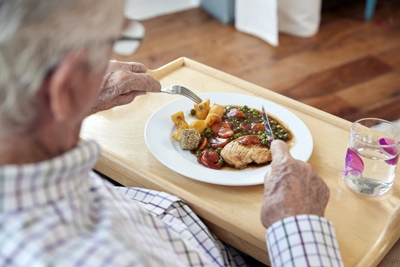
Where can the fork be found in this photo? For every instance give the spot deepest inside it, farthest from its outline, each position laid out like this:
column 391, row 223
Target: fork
column 180, row 90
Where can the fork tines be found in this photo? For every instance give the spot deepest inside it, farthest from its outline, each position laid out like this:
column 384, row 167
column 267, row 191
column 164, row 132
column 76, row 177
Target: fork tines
column 190, row 94
column 177, row 89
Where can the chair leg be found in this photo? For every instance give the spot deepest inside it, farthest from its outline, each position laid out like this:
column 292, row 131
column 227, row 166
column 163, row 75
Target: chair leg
column 369, row 9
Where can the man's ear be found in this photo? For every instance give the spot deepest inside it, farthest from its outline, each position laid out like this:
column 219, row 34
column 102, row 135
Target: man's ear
column 63, row 81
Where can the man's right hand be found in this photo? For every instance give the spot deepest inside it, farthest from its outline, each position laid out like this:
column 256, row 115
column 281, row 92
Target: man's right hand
column 291, row 188
column 123, row 82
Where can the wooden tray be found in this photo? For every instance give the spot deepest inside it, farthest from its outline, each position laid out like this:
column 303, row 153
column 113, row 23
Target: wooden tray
column 366, row 227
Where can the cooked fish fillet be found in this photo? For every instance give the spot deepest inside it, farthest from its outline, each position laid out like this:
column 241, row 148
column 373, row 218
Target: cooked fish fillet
column 239, row 154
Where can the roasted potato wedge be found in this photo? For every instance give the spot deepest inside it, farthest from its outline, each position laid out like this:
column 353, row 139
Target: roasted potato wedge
column 212, row 118
column 202, row 109
column 175, row 136
column 178, row 117
column 182, row 125
column 179, row 120
column 199, row 125
column 217, row 109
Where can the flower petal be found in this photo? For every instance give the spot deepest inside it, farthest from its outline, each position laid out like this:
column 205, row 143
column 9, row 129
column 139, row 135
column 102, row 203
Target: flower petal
column 353, row 162
column 391, row 150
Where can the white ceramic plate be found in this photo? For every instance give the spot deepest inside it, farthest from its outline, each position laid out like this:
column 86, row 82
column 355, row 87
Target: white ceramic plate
column 160, row 127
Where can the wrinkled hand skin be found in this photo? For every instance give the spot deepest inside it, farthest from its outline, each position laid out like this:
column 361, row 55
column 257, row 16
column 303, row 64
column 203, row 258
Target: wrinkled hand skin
column 291, row 188
column 123, row 82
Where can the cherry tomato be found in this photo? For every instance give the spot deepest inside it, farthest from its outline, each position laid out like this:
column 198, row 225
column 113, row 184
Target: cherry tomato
column 218, row 142
column 250, row 140
column 222, row 129
column 209, row 159
column 257, row 127
column 246, row 126
column 203, row 144
column 234, row 112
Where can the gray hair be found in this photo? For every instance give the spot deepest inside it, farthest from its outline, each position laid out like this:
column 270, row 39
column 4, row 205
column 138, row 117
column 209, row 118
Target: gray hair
column 35, row 35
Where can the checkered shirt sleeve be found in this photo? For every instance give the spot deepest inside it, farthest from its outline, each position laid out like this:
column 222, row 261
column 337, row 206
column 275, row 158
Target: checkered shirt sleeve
column 304, row 240
column 181, row 219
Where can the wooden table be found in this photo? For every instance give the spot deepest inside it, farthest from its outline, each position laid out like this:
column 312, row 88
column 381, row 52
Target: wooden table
column 366, row 227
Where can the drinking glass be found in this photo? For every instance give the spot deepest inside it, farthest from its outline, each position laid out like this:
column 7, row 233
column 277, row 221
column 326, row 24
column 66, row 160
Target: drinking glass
column 372, row 156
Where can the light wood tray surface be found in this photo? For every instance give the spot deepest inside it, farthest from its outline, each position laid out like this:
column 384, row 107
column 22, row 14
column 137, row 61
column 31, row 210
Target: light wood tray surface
column 366, row 227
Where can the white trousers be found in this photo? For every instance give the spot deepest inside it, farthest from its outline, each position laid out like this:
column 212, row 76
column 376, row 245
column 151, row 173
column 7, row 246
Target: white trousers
column 266, row 18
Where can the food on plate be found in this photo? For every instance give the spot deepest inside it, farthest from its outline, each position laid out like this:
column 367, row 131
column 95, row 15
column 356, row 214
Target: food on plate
column 232, row 136
column 202, row 109
column 212, row 118
column 179, row 120
column 244, row 150
column 217, row 109
column 178, row 117
column 210, row 159
column 189, row 139
column 199, row 125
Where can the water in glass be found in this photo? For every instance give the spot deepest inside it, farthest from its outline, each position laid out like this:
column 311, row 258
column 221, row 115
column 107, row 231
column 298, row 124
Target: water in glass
column 371, row 162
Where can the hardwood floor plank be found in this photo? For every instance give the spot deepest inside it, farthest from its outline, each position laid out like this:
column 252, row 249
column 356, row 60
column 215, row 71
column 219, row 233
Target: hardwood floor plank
column 332, row 104
column 391, row 56
column 362, row 100
column 373, row 91
column 388, row 109
column 350, row 68
column 349, row 45
column 371, row 97
column 336, row 79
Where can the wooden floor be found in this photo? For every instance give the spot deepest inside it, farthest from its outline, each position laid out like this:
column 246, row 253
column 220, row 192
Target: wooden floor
column 350, row 68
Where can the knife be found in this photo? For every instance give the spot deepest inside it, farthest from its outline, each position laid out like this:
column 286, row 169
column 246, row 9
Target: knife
column 267, row 127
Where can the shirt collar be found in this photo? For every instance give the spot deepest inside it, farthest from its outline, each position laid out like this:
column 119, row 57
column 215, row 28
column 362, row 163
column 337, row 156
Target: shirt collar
column 65, row 176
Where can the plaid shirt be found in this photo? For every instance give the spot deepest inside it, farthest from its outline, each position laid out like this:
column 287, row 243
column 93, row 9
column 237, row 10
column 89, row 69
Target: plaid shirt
column 303, row 240
column 60, row 213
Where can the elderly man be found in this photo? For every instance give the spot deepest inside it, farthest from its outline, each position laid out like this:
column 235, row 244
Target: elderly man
column 54, row 211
